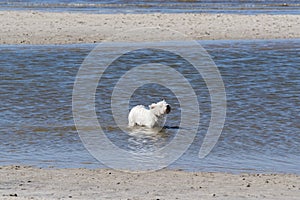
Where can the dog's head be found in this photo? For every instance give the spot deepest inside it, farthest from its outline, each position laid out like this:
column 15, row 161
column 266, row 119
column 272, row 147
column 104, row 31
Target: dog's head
column 160, row 108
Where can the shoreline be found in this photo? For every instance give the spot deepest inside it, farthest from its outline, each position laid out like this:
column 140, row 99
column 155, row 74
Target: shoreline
column 25, row 182
column 32, row 27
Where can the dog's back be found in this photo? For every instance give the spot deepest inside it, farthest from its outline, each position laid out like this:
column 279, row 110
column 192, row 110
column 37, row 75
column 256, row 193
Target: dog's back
column 140, row 116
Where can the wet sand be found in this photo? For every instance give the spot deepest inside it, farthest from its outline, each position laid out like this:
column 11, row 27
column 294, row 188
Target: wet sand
column 22, row 182
column 29, row 27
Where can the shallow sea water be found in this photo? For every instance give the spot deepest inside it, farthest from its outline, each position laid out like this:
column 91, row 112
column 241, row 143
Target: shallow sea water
column 261, row 132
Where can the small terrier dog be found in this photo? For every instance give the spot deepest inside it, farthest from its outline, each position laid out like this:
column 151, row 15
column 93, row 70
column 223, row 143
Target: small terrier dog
column 152, row 117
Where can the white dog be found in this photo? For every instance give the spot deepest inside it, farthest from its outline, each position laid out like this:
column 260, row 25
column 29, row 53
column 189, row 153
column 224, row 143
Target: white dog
column 153, row 117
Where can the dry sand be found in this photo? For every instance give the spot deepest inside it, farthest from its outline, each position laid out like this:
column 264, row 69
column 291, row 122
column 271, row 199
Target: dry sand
column 31, row 27
column 20, row 182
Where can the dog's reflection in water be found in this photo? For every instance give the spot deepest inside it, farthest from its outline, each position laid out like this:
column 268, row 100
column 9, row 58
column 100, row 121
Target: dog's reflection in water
column 144, row 139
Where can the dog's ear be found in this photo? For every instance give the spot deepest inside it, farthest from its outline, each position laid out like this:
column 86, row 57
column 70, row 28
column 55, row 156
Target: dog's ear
column 152, row 106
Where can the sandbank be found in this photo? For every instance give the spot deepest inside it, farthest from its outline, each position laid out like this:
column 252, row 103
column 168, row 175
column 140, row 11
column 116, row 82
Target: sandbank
column 31, row 27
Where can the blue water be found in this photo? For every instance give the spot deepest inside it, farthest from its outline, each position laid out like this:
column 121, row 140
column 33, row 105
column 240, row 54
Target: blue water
column 261, row 132
column 145, row 6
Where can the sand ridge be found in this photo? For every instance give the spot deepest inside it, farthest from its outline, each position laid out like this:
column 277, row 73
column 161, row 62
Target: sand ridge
column 31, row 27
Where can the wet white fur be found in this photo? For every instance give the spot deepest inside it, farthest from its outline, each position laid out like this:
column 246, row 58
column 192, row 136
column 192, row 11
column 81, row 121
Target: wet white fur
column 152, row 117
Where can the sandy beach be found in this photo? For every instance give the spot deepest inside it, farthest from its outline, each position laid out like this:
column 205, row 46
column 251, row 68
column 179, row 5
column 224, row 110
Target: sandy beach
column 21, row 182
column 30, row 27
column 25, row 182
